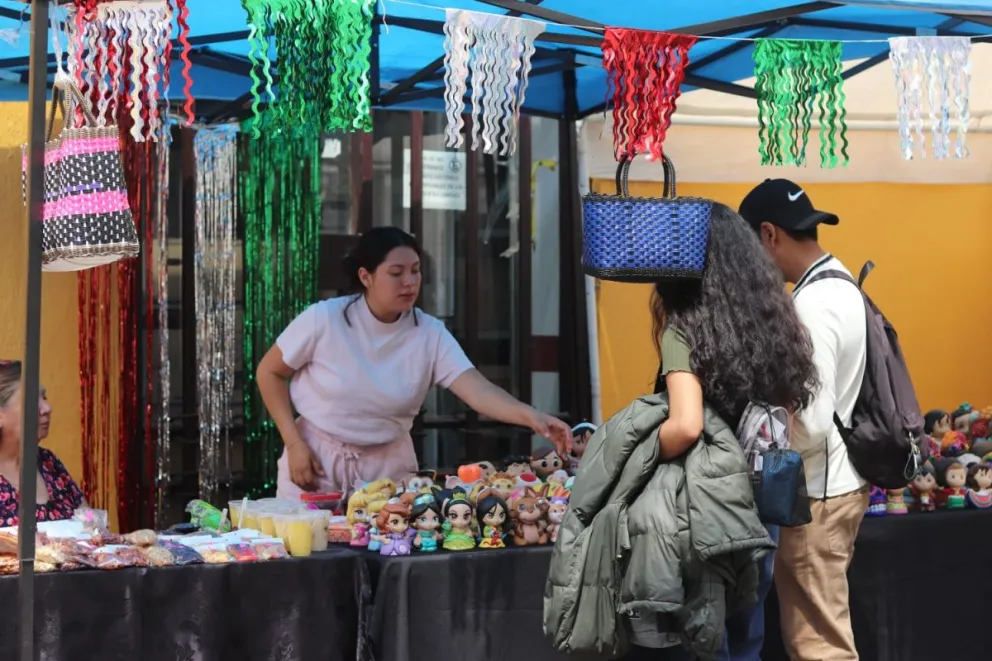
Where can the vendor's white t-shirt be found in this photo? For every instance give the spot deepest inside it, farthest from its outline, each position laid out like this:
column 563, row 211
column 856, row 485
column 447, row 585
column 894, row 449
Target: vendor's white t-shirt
column 365, row 383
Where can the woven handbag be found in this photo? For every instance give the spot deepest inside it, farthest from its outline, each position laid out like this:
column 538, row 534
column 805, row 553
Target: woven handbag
column 87, row 217
column 644, row 239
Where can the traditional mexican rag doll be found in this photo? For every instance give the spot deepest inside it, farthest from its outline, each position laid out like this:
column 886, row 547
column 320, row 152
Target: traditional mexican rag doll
column 896, row 501
column 876, row 502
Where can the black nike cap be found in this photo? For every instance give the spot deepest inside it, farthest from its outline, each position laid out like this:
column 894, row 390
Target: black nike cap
column 783, row 204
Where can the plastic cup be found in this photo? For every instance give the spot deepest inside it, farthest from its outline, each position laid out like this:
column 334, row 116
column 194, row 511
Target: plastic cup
column 249, row 517
column 234, row 511
column 299, row 536
column 319, row 524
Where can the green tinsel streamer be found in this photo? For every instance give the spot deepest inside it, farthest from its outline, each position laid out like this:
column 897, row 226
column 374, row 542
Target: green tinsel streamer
column 280, row 201
column 794, row 80
column 323, row 61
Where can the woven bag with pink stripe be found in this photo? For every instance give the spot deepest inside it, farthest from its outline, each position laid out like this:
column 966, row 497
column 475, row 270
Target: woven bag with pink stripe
column 87, row 217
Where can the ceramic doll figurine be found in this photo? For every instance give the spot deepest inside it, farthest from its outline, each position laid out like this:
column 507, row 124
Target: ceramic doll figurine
column 359, row 518
column 529, row 522
column 493, row 519
column 546, row 461
column 952, row 476
column 979, row 481
column 979, row 430
column 384, row 488
column 516, row 464
column 581, row 433
column 557, row 509
column 962, row 417
column 457, row 512
column 923, row 487
column 559, row 478
column 895, row 502
column 395, row 533
column 374, row 508
column 876, row 502
column 422, row 482
column 953, row 444
column 486, row 468
column 425, row 519
column 502, row 483
column 936, row 423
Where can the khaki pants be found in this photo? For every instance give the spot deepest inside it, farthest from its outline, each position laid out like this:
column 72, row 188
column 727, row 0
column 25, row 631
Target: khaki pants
column 811, row 580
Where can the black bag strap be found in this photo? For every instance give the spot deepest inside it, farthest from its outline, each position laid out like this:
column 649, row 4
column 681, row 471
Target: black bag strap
column 623, row 171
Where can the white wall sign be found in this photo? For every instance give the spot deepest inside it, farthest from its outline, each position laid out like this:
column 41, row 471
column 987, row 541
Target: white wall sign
column 444, row 180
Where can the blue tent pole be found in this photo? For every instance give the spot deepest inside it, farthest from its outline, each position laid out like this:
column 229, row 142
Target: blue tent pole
column 38, row 81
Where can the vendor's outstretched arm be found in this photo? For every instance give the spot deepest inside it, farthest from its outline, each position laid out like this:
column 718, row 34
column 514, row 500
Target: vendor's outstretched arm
column 488, row 399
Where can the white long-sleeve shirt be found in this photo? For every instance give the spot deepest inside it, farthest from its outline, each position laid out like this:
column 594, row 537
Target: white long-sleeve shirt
column 834, row 312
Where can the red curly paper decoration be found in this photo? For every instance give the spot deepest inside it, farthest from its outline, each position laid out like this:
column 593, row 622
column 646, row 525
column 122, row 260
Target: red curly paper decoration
column 645, row 70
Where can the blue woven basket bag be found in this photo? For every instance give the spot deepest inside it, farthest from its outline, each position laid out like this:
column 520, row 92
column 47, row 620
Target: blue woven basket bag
column 643, row 239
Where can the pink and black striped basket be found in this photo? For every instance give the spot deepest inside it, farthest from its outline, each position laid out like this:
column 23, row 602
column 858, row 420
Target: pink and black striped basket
column 87, row 217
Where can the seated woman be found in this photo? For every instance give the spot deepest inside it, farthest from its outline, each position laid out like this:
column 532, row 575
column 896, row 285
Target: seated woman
column 57, row 493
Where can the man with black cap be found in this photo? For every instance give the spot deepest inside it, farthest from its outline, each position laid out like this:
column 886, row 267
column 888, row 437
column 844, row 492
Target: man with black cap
column 811, row 562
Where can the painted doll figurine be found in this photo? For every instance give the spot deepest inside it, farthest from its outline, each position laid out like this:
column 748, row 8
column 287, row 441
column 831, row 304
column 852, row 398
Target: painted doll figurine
column 516, row 464
column 503, row 483
column 494, row 518
column 923, row 487
column 895, row 502
column 936, row 423
column 374, row 508
column 393, row 521
column 581, row 433
column 425, row 519
column 953, row 479
column 556, row 513
column 979, row 481
column 876, row 502
column 359, row 518
column 529, row 519
column 457, row 526
column 546, row 461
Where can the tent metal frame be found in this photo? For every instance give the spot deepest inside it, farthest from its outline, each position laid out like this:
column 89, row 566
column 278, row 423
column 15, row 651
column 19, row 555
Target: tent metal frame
column 559, row 61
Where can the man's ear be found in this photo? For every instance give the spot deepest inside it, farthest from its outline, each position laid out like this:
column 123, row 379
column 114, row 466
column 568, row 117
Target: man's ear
column 769, row 233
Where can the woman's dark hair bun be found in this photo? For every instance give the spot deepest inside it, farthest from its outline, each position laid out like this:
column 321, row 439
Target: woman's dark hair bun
column 371, row 250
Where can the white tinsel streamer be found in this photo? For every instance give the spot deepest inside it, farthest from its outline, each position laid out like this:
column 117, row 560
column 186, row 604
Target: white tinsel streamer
column 161, row 257
column 497, row 50
column 214, row 260
column 942, row 67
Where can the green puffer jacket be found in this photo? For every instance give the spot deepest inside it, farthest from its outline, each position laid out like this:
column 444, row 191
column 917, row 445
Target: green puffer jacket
column 650, row 545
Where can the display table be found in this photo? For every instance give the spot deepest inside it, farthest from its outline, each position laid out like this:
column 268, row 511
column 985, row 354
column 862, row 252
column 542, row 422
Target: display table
column 484, row 605
column 912, row 578
column 303, row 609
column 487, row 605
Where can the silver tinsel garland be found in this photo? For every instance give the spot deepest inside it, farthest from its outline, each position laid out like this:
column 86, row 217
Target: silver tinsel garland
column 161, row 257
column 214, row 259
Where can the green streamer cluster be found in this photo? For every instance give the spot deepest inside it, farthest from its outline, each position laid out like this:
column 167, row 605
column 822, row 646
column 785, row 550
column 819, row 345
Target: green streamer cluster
column 794, row 80
column 322, row 68
column 279, row 196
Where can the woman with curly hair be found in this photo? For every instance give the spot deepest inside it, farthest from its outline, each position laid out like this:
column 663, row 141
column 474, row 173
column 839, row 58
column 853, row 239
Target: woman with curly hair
column 729, row 339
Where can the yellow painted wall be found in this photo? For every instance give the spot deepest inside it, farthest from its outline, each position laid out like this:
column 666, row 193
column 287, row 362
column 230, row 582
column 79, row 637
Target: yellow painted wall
column 933, row 279
column 59, row 325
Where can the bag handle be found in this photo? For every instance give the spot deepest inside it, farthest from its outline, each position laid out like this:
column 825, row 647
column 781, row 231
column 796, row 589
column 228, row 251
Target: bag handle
column 68, row 103
column 623, row 171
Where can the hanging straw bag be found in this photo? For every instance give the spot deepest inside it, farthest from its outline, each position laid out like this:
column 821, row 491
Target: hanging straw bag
column 643, row 239
column 87, row 217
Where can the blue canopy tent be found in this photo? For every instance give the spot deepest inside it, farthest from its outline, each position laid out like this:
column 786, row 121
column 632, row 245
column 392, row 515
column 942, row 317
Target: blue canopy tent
column 567, row 79
column 567, row 83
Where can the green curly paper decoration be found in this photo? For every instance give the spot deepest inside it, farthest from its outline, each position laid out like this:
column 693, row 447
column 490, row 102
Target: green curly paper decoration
column 794, row 80
column 322, row 64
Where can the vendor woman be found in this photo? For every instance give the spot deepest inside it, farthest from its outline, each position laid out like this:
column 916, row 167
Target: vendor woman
column 58, row 495
column 357, row 369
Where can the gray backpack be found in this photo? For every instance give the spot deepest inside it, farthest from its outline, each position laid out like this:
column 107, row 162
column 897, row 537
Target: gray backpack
column 885, row 439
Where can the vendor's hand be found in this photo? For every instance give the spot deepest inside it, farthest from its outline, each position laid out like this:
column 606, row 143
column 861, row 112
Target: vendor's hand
column 552, row 429
column 304, row 467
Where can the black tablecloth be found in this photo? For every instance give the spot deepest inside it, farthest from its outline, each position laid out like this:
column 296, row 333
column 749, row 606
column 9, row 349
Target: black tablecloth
column 916, row 582
column 486, row 605
column 306, row 609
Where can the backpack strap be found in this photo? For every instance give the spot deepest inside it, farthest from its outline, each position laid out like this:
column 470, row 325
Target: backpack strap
column 836, row 275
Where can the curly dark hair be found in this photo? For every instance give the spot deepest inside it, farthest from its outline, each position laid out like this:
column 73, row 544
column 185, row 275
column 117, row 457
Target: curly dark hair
column 746, row 340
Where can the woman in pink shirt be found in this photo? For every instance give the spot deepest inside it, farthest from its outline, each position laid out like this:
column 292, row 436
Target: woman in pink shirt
column 357, row 369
